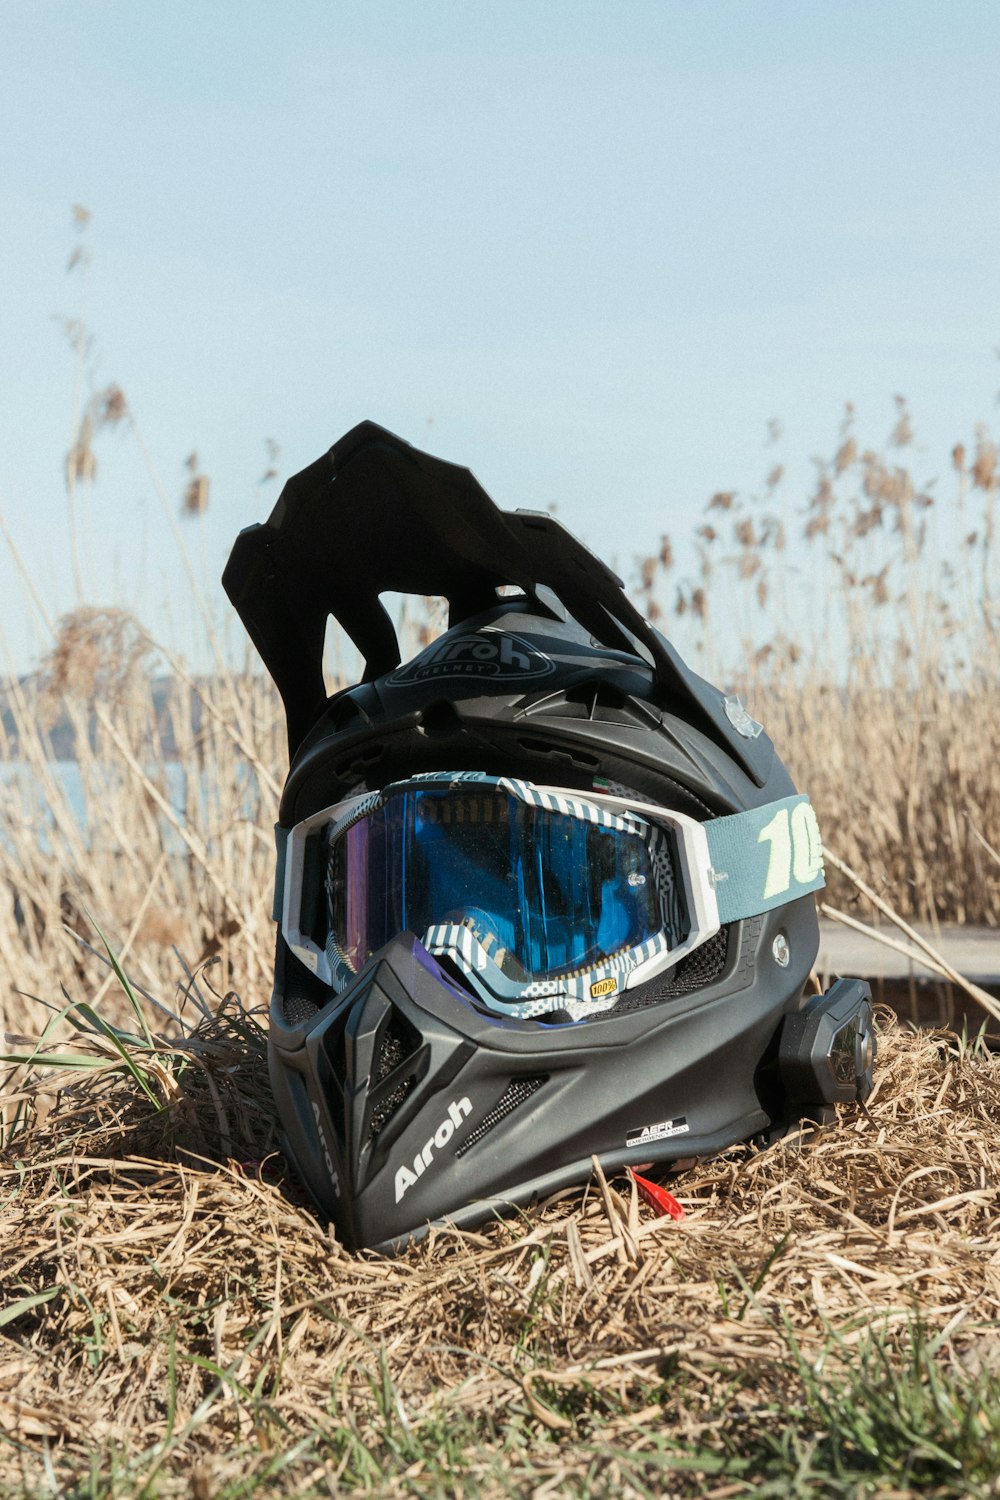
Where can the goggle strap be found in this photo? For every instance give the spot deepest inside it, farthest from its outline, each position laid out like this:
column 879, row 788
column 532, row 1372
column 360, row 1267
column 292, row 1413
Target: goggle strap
column 765, row 857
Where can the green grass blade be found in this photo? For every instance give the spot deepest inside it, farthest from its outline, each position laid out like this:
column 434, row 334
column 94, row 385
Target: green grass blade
column 124, row 981
column 25, row 1304
column 57, row 1060
column 113, row 1037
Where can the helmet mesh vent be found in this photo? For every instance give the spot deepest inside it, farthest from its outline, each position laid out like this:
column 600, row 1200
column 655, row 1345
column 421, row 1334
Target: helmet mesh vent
column 384, row 1110
column 397, row 1042
column 700, row 969
column 513, row 1096
column 304, row 996
column 299, row 1010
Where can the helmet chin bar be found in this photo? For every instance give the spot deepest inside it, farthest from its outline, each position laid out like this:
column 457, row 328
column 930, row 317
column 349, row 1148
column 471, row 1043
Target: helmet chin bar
column 400, row 1096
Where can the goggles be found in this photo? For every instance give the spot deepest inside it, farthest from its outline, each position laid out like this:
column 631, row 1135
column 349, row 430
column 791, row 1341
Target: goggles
column 538, row 898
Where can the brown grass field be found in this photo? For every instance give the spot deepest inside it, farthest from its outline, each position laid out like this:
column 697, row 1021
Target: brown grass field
column 823, row 1321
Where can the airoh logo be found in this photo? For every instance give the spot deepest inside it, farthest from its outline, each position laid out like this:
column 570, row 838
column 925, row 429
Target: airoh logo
column 488, row 653
column 407, row 1177
column 327, row 1158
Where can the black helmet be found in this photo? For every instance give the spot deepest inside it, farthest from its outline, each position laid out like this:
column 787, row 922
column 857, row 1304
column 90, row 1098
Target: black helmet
column 543, row 893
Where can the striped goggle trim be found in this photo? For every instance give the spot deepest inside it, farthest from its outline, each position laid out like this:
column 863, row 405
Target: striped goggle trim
column 539, row 899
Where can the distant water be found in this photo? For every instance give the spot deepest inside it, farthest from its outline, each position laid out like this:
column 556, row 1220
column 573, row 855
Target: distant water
column 28, row 802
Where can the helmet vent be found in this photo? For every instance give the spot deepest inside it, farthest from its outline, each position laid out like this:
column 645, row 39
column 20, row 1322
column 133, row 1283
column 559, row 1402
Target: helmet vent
column 600, row 702
column 355, row 767
column 513, row 1096
column 343, row 712
column 700, row 969
column 440, row 719
column 396, row 1044
column 299, row 1010
column 304, row 995
column 564, row 754
column 384, row 1110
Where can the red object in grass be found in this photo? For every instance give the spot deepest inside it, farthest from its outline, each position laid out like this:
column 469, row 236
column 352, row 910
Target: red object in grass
column 656, row 1196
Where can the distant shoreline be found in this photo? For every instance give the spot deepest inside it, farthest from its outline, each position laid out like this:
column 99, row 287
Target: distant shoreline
column 60, row 735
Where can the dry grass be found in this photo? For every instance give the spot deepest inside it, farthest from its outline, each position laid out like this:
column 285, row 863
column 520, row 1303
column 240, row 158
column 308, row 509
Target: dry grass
column 160, row 831
column 177, row 1322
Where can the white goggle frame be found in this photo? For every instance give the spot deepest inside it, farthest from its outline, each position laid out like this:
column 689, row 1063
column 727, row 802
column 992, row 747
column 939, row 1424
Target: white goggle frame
column 581, row 995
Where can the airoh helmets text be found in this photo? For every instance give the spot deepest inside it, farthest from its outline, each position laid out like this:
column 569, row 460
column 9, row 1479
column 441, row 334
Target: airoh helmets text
column 489, row 653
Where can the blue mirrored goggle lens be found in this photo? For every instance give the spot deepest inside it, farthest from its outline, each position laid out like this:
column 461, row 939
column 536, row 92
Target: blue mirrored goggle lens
column 545, row 893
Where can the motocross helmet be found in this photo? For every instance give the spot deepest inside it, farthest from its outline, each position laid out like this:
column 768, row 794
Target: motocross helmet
column 542, row 893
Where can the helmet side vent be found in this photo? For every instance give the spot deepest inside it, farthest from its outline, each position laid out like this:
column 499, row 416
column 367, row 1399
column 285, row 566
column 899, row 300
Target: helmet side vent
column 513, row 1096
column 397, row 1042
column 607, row 704
column 299, row 1009
column 391, row 1083
column 343, row 713
column 303, row 996
column 705, row 966
column 355, row 767
column 383, row 1111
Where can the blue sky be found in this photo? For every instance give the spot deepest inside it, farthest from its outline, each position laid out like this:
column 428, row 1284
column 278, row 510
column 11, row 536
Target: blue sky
column 587, row 249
